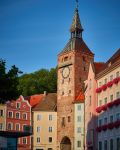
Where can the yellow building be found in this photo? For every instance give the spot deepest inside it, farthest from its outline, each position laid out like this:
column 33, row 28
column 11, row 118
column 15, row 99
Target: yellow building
column 2, row 117
column 45, row 123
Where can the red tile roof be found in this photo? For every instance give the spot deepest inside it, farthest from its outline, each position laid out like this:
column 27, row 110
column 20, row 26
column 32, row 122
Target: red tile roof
column 34, row 99
column 80, row 98
column 98, row 66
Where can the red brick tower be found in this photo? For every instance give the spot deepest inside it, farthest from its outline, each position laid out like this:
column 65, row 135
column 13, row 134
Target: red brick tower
column 73, row 64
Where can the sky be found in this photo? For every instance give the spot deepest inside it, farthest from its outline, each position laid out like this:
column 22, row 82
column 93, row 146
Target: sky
column 33, row 32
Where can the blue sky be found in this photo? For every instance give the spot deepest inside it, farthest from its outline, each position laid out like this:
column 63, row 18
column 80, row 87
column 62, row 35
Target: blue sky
column 33, row 32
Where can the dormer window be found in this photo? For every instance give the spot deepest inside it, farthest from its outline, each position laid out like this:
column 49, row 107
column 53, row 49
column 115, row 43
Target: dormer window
column 18, row 105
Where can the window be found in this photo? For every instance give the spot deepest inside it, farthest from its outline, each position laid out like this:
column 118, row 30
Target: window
column 100, row 102
column 105, row 120
column 69, row 91
column 69, row 119
column 18, row 105
column 38, row 129
column 83, row 58
column 117, row 74
column 100, row 83
column 105, row 100
column 38, row 139
column 1, row 113
column 100, row 145
column 24, row 140
column 10, row 114
column 66, row 58
column 62, row 92
column 84, row 68
column 118, row 95
column 78, row 143
column 50, row 129
column 10, row 126
column 105, row 81
column 111, row 119
column 90, row 84
column 118, row 143
column 100, row 122
column 111, row 144
column 79, row 118
column 111, row 97
column 17, row 115
column 105, row 145
column 78, row 130
column 50, row 139
column 63, row 122
column 50, row 117
column 79, row 107
column 39, row 117
column 111, row 77
column 1, row 126
column 117, row 116
column 17, row 127
column 90, row 100
column 50, row 149
column 25, row 116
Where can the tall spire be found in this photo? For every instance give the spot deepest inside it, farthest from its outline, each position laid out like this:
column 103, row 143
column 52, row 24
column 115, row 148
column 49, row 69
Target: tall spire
column 76, row 26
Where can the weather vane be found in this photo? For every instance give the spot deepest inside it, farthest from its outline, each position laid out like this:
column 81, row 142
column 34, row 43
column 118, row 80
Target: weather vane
column 77, row 1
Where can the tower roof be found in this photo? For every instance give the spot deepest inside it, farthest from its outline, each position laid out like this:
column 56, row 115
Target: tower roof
column 76, row 24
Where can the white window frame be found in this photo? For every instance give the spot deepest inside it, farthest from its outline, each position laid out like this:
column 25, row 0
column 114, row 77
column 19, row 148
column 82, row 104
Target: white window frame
column 23, row 140
column 23, row 115
column 50, row 117
column 19, row 105
column 16, row 125
column 19, row 115
column 11, row 125
column 10, row 112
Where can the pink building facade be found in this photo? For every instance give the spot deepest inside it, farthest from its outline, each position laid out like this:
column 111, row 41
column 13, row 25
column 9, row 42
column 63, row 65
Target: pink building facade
column 18, row 119
column 90, row 113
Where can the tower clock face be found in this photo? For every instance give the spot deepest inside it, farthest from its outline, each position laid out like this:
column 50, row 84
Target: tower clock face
column 65, row 72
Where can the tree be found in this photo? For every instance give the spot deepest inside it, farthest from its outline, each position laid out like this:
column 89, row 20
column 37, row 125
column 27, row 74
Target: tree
column 8, row 82
column 38, row 82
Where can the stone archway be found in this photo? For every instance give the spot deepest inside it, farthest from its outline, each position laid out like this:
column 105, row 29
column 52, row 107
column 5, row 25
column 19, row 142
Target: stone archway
column 65, row 144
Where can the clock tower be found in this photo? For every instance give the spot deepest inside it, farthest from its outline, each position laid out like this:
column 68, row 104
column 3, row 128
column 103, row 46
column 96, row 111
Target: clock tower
column 73, row 64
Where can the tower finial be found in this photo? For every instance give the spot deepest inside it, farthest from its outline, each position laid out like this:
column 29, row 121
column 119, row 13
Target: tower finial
column 77, row 1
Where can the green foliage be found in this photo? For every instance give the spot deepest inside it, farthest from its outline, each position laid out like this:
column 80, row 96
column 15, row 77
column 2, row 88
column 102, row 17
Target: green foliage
column 38, row 82
column 8, row 82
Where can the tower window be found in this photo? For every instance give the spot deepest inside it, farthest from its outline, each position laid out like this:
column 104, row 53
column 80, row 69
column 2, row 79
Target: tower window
column 66, row 58
column 69, row 119
column 62, row 92
column 84, row 69
column 69, row 91
column 63, row 122
column 84, row 58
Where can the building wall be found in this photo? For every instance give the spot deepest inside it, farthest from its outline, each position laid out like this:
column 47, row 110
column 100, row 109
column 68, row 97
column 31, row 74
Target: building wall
column 24, row 108
column 90, row 113
column 68, row 89
column 113, row 111
column 79, row 126
column 2, row 117
column 42, row 121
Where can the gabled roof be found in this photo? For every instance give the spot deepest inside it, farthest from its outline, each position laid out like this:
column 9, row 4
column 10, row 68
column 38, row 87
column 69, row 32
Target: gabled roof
column 76, row 24
column 77, row 44
column 34, row 99
column 80, row 98
column 48, row 103
column 115, row 58
column 98, row 66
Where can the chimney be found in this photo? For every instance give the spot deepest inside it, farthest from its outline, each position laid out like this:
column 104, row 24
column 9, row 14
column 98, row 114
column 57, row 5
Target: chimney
column 45, row 93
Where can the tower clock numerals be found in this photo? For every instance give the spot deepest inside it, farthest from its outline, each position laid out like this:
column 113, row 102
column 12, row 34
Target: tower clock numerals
column 65, row 72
